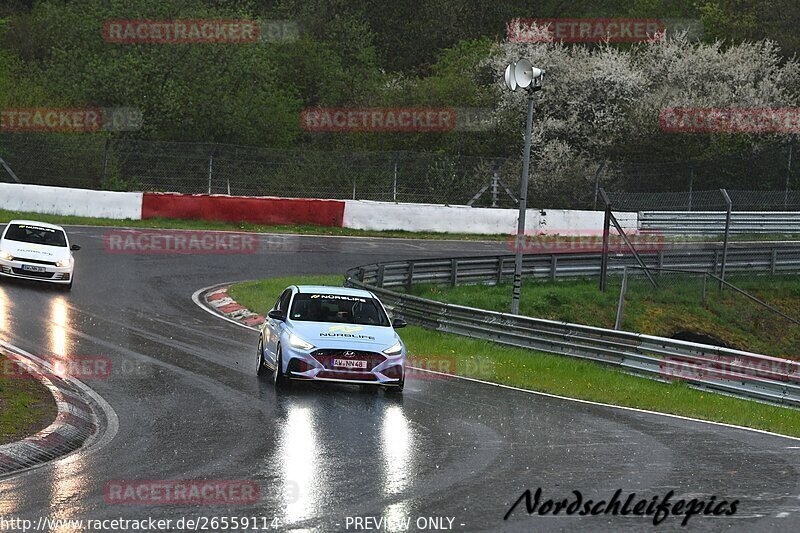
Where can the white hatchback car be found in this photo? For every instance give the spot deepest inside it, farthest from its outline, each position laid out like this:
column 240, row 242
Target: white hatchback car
column 37, row 250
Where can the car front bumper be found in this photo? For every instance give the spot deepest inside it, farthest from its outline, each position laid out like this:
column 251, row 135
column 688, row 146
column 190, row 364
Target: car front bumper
column 316, row 366
column 51, row 274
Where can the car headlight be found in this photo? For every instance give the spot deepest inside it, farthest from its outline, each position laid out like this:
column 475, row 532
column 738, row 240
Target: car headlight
column 397, row 349
column 6, row 256
column 63, row 263
column 299, row 343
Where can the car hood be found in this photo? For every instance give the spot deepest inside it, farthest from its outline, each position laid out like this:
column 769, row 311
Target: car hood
column 41, row 252
column 337, row 334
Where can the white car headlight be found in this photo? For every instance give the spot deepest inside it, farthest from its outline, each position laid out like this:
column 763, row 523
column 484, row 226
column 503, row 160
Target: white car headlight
column 299, row 343
column 6, row 256
column 396, row 349
column 64, row 263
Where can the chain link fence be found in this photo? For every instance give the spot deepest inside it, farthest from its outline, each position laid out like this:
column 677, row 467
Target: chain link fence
column 192, row 168
column 120, row 163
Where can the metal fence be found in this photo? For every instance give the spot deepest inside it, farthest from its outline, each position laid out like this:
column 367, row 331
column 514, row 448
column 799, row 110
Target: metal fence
column 193, row 168
column 120, row 163
column 763, row 260
column 733, row 372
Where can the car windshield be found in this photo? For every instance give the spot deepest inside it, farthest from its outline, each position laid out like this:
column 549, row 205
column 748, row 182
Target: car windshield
column 316, row 307
column 36, row 235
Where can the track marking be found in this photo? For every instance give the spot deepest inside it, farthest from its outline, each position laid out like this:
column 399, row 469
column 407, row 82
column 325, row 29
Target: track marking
column 112, row 420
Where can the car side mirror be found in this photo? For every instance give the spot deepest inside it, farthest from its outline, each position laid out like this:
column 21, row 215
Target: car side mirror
column 276, row 315
column 399, row 323
column 74, row 247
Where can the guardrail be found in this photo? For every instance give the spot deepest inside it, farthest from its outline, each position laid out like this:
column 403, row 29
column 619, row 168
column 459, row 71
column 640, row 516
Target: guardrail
column 713, row 222
column 734, row 372
column 492, row 269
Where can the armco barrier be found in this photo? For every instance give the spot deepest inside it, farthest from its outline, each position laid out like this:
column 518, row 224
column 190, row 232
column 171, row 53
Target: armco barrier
column 259, row 210
column 734, row 372
column 66, row 201
column 713, row 222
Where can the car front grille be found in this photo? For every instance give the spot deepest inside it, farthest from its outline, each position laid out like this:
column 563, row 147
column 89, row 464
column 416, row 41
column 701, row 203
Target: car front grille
column 21, row 272
column 37, row 261
column 326, row 357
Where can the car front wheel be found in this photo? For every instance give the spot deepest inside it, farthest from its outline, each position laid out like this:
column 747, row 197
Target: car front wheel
column 261, row 368
column 279, row 378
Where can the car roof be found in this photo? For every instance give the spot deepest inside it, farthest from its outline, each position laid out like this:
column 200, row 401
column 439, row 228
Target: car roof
column 325, row 289
column 36, row 223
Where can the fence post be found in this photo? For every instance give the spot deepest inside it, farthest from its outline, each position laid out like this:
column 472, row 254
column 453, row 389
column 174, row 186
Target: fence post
column 621, row 304
column 105, row 159
column 211, row 166
column 494, row 189
column 500, row 263
column 788, row 172
column 394, row 182
column 453, row 272
column 381, row 272
column 705, row 283
column 727, row 234
column 410, row 278
column 553, row 267
column 606, row 230
column 597, row 184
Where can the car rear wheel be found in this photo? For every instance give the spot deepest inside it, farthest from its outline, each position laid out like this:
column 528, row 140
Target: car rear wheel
column 261, row 368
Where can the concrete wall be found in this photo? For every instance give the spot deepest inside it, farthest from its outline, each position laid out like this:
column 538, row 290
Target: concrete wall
column 65, row 201
column 363, row 214
column 356, row 214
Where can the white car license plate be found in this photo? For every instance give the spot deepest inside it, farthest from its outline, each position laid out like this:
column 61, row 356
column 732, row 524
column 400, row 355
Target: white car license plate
column 349, row 363
column 31, row 268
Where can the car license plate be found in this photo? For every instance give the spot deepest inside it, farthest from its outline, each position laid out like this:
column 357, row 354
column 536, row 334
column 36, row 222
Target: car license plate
column 31, row 268
column 349, row 363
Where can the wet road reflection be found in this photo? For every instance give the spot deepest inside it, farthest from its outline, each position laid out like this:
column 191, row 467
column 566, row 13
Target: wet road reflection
column 68, row 484
column 315, row 455
column 298, row 460
column 396, row 446
column 5, row 304
column 58, row 324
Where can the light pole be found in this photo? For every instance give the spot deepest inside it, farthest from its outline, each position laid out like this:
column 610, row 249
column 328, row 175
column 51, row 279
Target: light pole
column 524, row 75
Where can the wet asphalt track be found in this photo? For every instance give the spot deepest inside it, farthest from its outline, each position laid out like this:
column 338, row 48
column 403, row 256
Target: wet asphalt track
column 190, row 407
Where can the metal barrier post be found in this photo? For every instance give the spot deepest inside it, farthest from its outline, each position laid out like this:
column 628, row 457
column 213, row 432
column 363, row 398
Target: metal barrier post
column 606, row 230
column 705, row 284
column 727, row 234
column 621, row 304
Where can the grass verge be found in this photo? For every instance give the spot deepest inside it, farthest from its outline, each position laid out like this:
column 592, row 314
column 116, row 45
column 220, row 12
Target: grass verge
column 26, row 406
column 301, row 229
column 553, row 374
